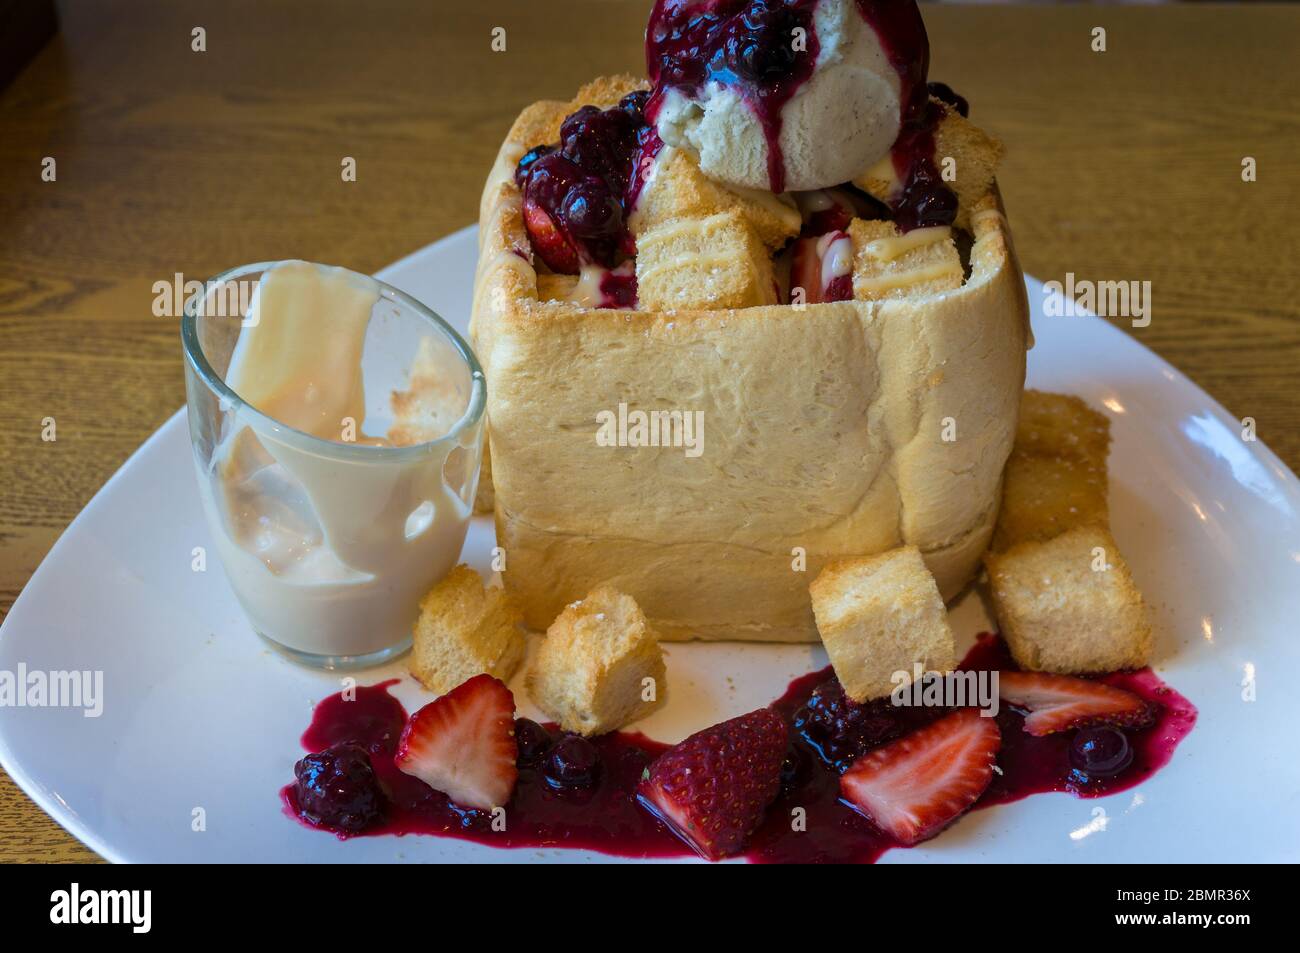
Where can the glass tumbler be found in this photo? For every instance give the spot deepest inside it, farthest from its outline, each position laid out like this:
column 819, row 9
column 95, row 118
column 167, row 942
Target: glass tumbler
column 329, row 544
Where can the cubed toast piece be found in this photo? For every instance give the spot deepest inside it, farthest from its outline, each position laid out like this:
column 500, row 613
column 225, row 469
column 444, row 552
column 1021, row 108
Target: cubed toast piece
column 678, row 189
column 464, row 630
column 589, row 672
column 699, row 263
column 976, row 155
column 1055, row 479
column 889, row 264
column 1069, row 605
column 878, row 615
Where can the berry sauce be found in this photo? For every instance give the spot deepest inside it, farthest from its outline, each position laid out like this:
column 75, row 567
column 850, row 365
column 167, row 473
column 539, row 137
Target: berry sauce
column 745, row 44
column 923, row 199
column 603, row 815
column 579, row 193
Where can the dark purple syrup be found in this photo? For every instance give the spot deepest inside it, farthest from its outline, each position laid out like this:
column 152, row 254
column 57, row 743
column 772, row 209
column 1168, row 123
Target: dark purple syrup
column 606, row 817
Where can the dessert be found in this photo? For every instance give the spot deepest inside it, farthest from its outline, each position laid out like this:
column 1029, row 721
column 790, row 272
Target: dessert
column 823, row 411
column 1069, row 604
column 465, row 629
column 766, row 235
column 599, row 667
column 877, row 615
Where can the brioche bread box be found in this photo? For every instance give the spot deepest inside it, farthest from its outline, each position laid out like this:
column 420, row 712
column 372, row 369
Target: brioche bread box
column 826, row 430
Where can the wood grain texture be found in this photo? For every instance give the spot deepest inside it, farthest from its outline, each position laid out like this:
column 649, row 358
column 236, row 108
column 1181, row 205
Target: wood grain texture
column 1121, row 165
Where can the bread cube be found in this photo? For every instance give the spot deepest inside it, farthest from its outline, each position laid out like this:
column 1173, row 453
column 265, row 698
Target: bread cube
column 712, row 262
column 590, row 672
column 465, row 629
column 1069, row 605
column 1056, row 476
column 878, row 615
column 676, row 188
column 889, row 264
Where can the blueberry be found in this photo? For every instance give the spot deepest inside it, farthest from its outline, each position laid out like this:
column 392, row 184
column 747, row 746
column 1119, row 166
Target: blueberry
column 634, row 105
column 926, row 202
column 533, row 741
column 531, row 156
column 337, row 788
column 794, row 769
column 591, row 211
column 842, row 730
column 573, row 762
column 760, row 57
column 1101, row 752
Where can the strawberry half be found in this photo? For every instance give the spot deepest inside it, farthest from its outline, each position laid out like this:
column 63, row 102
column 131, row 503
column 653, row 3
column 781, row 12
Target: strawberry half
column 712, row 789
column 463, row 744
column 1058, row 702
column 916, row 786
column 551, row 244
column 823, row 280
column 806, row 270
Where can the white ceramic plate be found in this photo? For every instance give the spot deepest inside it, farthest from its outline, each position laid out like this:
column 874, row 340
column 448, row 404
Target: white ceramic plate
column 199, row 714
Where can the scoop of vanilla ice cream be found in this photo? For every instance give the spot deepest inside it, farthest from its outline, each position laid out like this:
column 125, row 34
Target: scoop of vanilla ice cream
column 839, row 122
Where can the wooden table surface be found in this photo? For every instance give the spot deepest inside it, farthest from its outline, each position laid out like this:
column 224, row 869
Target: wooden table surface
column 1121, row 165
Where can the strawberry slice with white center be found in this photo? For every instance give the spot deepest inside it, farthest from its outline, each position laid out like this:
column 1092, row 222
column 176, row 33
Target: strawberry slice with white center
column 550, row 243
column 463, row 744
column 916, row 786
column 822, row 265
column 1059, row 702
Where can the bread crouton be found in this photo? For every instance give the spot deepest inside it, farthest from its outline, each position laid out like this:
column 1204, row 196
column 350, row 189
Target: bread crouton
column 888, row 264
column 677, row 189
column 465, row 630
column 600, row 666
column 703, row 263
column 1055, row 478
column 1069, row 605
column 877, row 616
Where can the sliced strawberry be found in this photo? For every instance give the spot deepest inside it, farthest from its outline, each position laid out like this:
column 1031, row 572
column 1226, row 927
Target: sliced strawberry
column 463, row 744
column 712, row 789
column 916, row 786
column 1058, row 702
column 823, row 266
column 806, row 270
column 551, row 244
